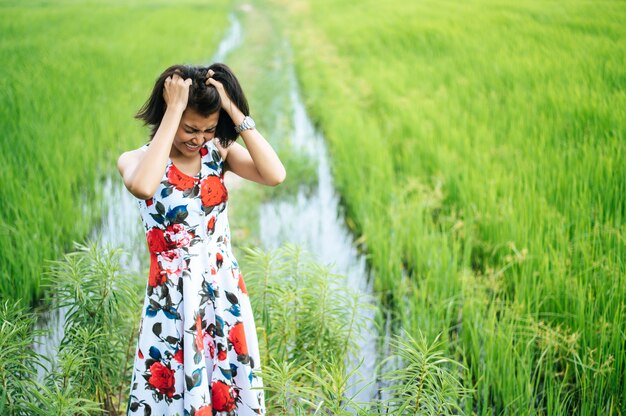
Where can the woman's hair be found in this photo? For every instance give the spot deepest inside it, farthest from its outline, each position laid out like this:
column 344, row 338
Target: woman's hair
column 204, row 99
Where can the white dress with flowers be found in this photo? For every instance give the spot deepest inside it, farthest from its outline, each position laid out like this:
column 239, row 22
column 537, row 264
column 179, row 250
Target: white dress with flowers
column 197, row 353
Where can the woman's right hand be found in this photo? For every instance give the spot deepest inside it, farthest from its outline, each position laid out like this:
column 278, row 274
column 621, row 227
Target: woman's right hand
column 176, row 92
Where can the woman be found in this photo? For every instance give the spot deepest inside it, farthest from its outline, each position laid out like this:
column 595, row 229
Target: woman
column 197, row 351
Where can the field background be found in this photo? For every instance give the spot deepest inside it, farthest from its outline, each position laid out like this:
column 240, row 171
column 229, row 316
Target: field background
column 478, row 147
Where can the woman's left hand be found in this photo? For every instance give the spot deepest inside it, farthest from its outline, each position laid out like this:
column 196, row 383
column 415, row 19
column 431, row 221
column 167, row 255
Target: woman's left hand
column 227, row 103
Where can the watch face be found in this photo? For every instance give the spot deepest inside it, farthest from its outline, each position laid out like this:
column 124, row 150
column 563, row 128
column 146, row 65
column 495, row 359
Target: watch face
column 246, row 124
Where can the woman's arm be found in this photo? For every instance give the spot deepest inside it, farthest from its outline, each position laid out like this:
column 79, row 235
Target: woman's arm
column 142, row 171
column 257, row 161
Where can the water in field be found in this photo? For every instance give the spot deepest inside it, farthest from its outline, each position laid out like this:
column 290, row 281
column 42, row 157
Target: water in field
column 315, row 220
column 121, row 228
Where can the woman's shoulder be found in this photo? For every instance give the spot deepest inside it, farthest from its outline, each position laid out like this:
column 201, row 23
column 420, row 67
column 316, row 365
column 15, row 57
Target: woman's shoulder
column 139, row 150
column 130, row 156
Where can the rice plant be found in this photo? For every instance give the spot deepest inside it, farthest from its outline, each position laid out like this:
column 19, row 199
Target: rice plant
column 478, row 149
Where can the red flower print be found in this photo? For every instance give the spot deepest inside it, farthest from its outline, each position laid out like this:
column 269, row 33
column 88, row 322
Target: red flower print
column 140, row 354
column 162, row 378
column 212, row 347
column 242, row 284
column 212, row 191
column 156, row 240
column 221, row 353
column 219, row 259
column 171, row 264
column 156, row 278
column 175, row 235
column 178, row 179
column 149, row 202
column 204, row 411
column 170, row 255
column 199, row 338
column 211, row 225
column 237, row 337
column 221, row 397
column 203, row 151
column 179, row 356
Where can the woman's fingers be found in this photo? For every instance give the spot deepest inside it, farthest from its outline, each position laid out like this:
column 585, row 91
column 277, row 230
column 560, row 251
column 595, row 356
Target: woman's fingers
column 215, row 83
column 176, row 89
column 210, row 73
column 178, row 79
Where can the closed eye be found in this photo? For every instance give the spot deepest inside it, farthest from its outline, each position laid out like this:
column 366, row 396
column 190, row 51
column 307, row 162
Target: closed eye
column 211, row 130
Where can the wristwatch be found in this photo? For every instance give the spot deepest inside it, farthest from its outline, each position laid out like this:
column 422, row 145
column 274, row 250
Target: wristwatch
column 246, row 124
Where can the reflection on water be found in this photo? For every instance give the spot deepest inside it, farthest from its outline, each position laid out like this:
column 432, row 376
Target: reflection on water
column 315, row 220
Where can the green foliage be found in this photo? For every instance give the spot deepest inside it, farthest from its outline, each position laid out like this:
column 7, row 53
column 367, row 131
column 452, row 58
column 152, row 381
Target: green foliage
column 310, row 319
column 90, row 371
column 18, row 362
column 425, row 381
column 99, row 326
column 312, row 322
column 478, row 147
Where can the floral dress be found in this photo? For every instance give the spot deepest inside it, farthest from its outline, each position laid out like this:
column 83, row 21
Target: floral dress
column 197, row 351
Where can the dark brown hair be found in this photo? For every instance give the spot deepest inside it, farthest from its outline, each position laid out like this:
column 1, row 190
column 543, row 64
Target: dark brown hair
column 204, row 99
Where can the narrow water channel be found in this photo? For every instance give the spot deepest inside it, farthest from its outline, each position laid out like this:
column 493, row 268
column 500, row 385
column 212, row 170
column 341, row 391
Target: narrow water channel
column 315, row 220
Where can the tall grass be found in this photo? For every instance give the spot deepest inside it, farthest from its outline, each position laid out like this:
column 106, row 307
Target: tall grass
column 101, row 321
column 310, row 326
column 90, row 372
column 479, row 149
column 73, row 75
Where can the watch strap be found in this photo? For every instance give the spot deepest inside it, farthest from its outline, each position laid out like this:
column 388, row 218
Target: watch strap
column 246, row 124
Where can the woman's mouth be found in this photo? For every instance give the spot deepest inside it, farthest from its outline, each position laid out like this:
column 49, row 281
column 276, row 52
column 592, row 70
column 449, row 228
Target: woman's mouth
column 192, row 147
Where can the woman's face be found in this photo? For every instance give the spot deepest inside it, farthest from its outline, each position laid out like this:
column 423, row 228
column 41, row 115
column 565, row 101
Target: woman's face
column 193, row 131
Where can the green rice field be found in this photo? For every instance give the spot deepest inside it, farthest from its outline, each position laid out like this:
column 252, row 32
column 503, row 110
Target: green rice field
column 479, row 148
